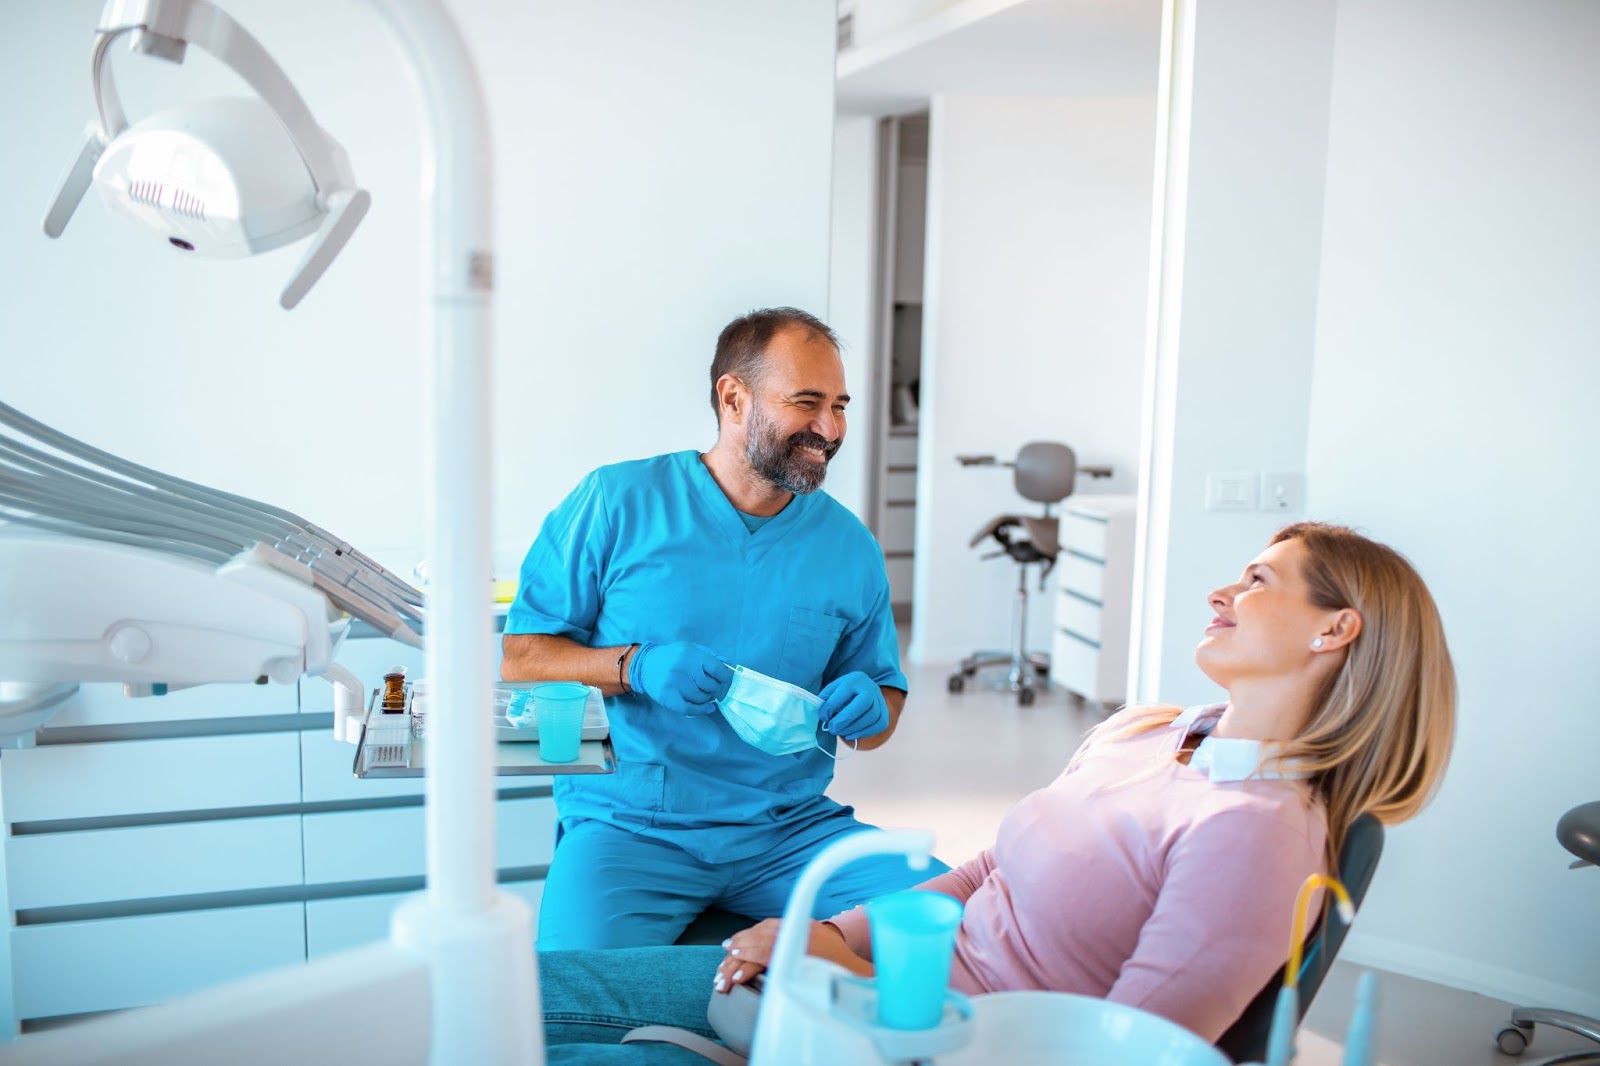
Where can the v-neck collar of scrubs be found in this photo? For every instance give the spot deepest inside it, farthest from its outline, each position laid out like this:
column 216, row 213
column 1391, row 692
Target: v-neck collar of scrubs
column 726, row 516
column 1224, row 759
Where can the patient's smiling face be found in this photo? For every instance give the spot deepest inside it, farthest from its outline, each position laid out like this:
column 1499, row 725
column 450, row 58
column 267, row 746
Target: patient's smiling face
column 797, row 413
column 1265, row 622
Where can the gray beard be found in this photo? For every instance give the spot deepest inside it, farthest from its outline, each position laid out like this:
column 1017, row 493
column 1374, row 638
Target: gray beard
column 775, row 460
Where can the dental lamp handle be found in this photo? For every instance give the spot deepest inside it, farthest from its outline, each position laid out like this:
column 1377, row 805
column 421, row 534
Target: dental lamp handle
column 794, row 932
column 346, row 209
column 79, row 177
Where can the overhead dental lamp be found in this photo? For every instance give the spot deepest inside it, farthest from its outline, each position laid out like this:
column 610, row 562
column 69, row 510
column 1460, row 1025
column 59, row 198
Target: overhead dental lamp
column 226, row 177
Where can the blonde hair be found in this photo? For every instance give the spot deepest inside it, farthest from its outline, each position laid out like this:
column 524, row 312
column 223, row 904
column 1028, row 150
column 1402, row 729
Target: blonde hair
column 1382, row 726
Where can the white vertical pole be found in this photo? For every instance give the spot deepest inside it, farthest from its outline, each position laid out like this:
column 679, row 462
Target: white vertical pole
column 479, row 942
column 1171, row 191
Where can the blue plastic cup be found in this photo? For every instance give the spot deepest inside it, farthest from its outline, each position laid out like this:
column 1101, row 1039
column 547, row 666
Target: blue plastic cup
column 559, row 707
column 913, row 941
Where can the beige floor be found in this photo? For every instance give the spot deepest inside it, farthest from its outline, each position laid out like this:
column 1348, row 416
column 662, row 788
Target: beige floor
column 960, row 761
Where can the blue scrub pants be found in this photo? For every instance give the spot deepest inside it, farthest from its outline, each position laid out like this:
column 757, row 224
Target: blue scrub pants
column 611, row 888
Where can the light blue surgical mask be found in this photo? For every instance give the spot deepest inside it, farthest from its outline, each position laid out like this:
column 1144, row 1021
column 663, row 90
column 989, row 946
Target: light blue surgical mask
column 775, row 716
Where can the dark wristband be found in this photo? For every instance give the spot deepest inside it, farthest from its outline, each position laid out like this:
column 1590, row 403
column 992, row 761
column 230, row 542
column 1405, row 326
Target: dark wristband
column 622, row 670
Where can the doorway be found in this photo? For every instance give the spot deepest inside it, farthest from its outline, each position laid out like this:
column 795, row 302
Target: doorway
column 902, row 227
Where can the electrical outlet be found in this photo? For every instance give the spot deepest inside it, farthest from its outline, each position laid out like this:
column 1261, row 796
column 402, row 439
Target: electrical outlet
column 1283, row 493
column 1232, row 492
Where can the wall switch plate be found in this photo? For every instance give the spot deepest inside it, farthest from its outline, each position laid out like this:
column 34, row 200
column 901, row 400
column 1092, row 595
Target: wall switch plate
column 1284, row 493
column 1232, row 492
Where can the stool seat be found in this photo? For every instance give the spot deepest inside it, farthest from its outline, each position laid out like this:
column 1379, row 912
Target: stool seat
column 1579, row 831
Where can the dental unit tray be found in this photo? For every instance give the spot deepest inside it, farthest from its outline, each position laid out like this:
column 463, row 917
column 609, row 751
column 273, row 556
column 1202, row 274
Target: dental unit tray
column 394, row 742
column 509, row 695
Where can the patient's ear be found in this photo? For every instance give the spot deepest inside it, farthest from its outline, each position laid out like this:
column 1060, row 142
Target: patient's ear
column 1341, row 631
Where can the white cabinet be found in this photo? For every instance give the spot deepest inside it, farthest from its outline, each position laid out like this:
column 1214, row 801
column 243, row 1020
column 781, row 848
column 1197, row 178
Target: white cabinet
column 1094, row 597
column 152, row 847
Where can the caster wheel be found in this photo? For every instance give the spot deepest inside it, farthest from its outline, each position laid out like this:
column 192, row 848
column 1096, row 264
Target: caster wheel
column 1513, row 1039
column 956, row 683
column 1025, row 697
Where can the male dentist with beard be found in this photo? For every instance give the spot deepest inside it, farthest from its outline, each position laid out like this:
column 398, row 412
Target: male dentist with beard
column 655, row 578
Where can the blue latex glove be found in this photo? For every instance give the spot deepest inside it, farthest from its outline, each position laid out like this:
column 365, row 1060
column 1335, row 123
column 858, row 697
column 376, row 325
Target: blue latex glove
column 853, row 707
column 683, row 677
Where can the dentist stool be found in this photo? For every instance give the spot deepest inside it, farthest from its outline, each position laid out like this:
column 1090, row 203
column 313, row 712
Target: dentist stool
column 1044, row 472
column 1579, row 832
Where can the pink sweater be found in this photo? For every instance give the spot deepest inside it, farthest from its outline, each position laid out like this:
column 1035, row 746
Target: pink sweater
column 1137, row 878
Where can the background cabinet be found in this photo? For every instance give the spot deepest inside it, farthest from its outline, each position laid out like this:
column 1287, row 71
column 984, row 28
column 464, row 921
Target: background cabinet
column 1094, row 598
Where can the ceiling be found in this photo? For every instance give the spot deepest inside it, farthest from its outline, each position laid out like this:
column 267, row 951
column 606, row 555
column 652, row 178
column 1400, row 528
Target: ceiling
column 1060, row 48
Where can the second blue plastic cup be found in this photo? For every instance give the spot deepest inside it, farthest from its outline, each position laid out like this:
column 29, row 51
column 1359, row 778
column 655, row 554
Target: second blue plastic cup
column 559, row 708
column 913, row 941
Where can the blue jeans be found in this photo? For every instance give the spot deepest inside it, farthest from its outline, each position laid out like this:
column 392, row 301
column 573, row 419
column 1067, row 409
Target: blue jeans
column 613, row 888
column 592, row 998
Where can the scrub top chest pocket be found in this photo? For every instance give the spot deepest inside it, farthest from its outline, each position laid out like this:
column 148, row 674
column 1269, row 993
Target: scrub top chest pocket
column 808, row 645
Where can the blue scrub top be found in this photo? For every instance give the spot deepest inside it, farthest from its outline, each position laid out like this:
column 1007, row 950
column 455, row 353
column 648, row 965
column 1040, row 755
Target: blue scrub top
column 652, row 550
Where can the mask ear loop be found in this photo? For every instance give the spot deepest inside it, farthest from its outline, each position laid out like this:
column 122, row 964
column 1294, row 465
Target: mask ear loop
column 853, row 748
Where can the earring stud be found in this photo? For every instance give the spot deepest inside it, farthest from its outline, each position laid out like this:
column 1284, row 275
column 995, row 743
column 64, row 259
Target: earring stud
column 1317, row 643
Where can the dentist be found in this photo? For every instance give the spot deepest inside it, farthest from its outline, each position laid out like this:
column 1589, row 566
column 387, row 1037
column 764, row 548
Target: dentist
column 650, row 581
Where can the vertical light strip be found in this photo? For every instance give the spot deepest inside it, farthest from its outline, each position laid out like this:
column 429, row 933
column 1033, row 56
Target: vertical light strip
column 1169, row 199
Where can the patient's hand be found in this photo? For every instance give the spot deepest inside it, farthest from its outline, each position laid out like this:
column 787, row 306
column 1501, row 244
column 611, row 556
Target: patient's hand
column 750, row 952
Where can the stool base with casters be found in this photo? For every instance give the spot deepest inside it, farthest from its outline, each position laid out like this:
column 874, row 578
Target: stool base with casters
column 1515, row 1038
column 1029, row 671
column 1579, row 832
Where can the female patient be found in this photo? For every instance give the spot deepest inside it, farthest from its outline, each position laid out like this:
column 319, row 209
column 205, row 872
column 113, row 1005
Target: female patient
column 1160, row 869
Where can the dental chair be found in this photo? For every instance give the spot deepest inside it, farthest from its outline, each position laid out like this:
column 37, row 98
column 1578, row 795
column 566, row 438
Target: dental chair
column 1579, row 832
column 1044, row 472
column 1246, row 1039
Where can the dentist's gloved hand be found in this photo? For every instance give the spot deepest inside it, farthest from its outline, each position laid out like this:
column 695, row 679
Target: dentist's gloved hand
column 683, row 677
column 853, row 707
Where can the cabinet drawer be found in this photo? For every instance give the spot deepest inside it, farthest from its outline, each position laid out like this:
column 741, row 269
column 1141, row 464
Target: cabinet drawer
column 900, row 485
column 75, row 967
column 901, row 449
column 899, row 533
column 1083, row 576
column 1083, row 534
column 901, row 572
column 104, row 704
column 346, row 846
column 339, row 924
column 146, row 862
column 1079, row 616
column 1074, row 664
column 147, row 776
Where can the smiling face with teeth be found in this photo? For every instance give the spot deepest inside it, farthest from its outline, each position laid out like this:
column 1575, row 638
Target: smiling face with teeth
column 796, row 418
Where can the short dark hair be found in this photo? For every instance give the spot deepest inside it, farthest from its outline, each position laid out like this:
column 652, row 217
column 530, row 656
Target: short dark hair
column 742, row 345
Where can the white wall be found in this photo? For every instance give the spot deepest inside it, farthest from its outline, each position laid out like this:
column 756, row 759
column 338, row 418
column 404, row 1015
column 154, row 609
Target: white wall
column 1231, row 378
column 659, row 169
column 852, row 274
column 1034, row 303
column 1406, row 191
column 1453, row 414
